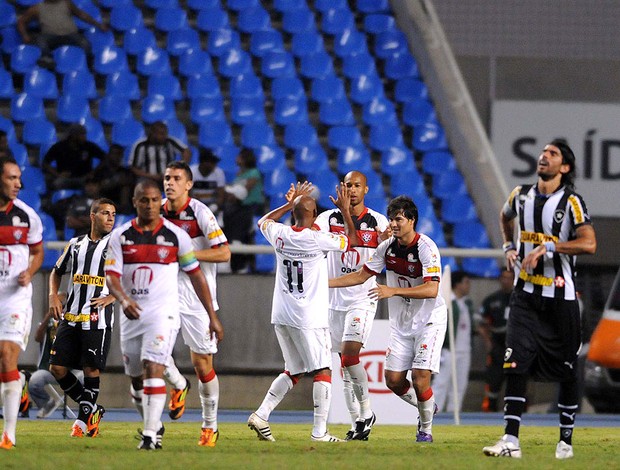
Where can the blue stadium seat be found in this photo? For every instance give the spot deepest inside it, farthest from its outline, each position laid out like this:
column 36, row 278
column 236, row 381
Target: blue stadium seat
column 264, row 41
column 269, row 157
column 222, row 40
column 126, row 133
column 410, row 89
column 327, row 88
column 7, row 15
column 49, row 226
column 350, row 42
column 300, row 135
column 114, row 109
column 377, row 203
column 181, row 40
column 246, row 86
column 157, row 108
column 203, row 86
column 94, row 132
column 123, row 84
column 459, row 208
column 470, row 234
column 137, row 40
column 336, row 112
column 24, row 58
column 41, row 83
column 400, row 65
column 212, row 19
column 290, row 111
column 429, row 136
column 195, row 62
column 33, row 179
column 10, row 39
column 7, row 126
column 235, row 62
column 72, row 109
column 382, row 137
column 279, row 181
column 240, row 5
column 353, row 159
column 122, row 219
column 379, row 111
column 109, row 60
column 108, row 4
column 256, row 134
column 30, row 197
column 153, row 61
column 69, row 58
column 311, row 160
column 206, row 110
column 289, row 5
column 91, row 9
column 20, row 154
column 215, row 134
column 359, row 64
column 318, row 65
column 25, row 107
column 157, row 4
column 198, row 5
column 263, row 262
column 325, row 181
column 366, row 88
column 409, row 183
column 296, row 21
column 287, row 87
column 395, row 160
column 176, row 129
column 80, row 83
column 246, row 110
column 418, row 112
column 38, row 131
column 389, row 43
column 372, row 6
column 125, row 17
column 424, row 203
column 448, row 184
column 432, row 227
column 253, row 19
column 170, row 19
column 278, row 64
column 98, row 39
column 336, row 20
column 376, row 23
column 341, row 137
column 60, row 194
column 166, row 85
column 435, row 163
column 228, row 159
column 325, row 5
column 306, row 43
column 482, row 267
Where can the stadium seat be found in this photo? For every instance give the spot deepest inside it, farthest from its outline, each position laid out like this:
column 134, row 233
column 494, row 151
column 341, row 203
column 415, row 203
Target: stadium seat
column 435, row 163
column 325, row 181
column 307, row 43
column 400, row 65
column 215, row 134
column 240, row 5
column 114, row 109
column 290, row 111
column 198, row 5
column 246, row 86
column 353, row 159
column 459, row 208
column 25, row 107
column 257, row 134
column 235, row 62
column 263, row 262
column 310, row 160
column 7, row 126
column 79, row 83
column 296, row 21
column 372, row 6
column 318, row 65
column 20, row 154
column 108, row 4
column 382, row 137
column 176, row 129
column 336, row 113
column 30, row 197
column 287, row 87
column 125, row 17
column 180, row 41
column 264, row 41
column 246, row 110
column 359, row 64
column 327, row 88
column 126, row 133
column 24, row 58
column 409, row 183
column 157, row 4
column 109, row 60
column 340, row 137
column 153, row 61
column 10, row 39
column 195, row 62
column 72, row 109
column 165, row 85
column 300, row 135
column 7, row 15
column 289, row 5
column 253, row 19
column 336, row 20
column 137, row 40
column 212, row 19
column 278, row 64
column 418, row 112
column 98, row 39
column 470, row 234
column 157, row 108
column 482, row 267
column 375, row 185
column 395, row 160
column 94, row 132
column 379, row 111
column 203, row 86
column 91, row 9
column 448, row 184
column 170, row 19
column 429, row 136
column 390, row 43
column 41, row 83
column 269, row 157
column 38, row 131
column 123, row 84
column 376, row 23
column 279, row 181
column 366, row 88
column 33, row 179
column 223, row 40
column 410, row 89
column 350, row 42
column 69, row 58
column 60, row 194
column 206, row 110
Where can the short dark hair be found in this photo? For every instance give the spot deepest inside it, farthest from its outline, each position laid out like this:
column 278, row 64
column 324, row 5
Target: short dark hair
column 248, row 157
column 456, row 277
column 145, row 183
column 405, row 205
column 568, row 158
column 181, row 165
column 94, row 207
column 5, row 160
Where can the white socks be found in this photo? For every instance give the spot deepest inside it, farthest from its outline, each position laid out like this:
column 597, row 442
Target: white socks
column 153, row 403
column 322, row 397
column 11, row 396
column 359, row 382
column 349, row 397
column 173, row 376
column 427, row 410
column 279, row 388
column 209, row 398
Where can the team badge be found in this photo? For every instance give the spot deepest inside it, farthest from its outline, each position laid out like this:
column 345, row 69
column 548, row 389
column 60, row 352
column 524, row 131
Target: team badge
column 162, row 253
column 186, row 227
column 558, row 215
column 366, row 237
column 17, row 234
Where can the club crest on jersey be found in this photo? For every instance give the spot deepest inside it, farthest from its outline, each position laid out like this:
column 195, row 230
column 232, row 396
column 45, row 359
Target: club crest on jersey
column 94, row 315
column 366, row 237
column 162, row 253
column 558, row 215
column 186, row 227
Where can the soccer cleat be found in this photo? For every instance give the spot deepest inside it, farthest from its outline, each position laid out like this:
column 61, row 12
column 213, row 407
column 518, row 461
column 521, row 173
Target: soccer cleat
column 503, row 448
column 326, row 438
column 363, row 428
column 24, row 401
column 92, row 424
column 258, row 424
column 349, row 435
column 208, row 437
column 563, row 451
column 6, row 442
column 77, row 431
column 159, row 437
column 177, row 401
column 51, row 406
column 146, row 443
column 422, row 436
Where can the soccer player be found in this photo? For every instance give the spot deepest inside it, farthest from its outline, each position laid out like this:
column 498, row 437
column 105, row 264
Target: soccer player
column 21, row 256
column 300, row 304
column 418, row 314
column 543, row 336
column 210, row 247
column 83, row 337
column 351, row 311
column 142, row 271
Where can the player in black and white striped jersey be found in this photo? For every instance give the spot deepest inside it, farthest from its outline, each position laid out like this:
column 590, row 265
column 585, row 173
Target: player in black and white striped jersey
column 83, row 337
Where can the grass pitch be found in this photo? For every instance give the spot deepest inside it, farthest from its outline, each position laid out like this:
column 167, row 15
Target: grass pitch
column 46, row 444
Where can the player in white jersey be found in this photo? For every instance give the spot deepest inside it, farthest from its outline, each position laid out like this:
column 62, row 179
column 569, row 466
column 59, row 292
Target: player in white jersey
column 210, row 247
column 351, row 311
column 21, row 256
column 300, row 304
column 142, row 270
column 418, row 314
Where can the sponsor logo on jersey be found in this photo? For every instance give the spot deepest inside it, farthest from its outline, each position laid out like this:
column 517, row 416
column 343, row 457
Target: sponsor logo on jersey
column 507, row 354
column 537, row 279
column 98, row 281
column 537, row 238
column 433, row 269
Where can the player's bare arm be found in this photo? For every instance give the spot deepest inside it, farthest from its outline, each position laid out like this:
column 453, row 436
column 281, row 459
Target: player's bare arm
column 131, row 308
column 506, row 226
column 202, row 291
column 343, row 203
column 102, row 301
column 219, row 254
column 55, row 303
column 36, row 260
column 352, row 279
column 428, row 290
column 300, row 189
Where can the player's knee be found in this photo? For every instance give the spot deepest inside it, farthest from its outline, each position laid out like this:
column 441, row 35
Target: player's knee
column 58, row 371
column 347, row 361
column 396, row 385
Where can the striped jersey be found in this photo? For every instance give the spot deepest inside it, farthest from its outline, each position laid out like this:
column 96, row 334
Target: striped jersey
column 202, row 227
column 20, row 228
column 148, row 264
column 83, row 259
column 338, row 264
column 542, row 218
column 154, row 157
column 410, row 266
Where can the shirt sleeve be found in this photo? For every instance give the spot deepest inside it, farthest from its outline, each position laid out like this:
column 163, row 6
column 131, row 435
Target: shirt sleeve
column 430, row 259
column 510, row 206
column 187, row 258
column 269, row 228
column 209, row 226
column 114, row 255
column 35, row 231
column 322, row 221
column 65, row 258
column 578, row 210
column 332, row 241
column 376, row 263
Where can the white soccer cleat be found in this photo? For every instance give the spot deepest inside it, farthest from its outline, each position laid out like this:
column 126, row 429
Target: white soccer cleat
column 50, row 406
column 261, row 427
column 563, row 451
column 503, row 448
column 326, row 438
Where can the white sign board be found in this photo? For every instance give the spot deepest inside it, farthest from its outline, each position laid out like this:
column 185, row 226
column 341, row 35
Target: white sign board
column 520, row 129
column 388, row 407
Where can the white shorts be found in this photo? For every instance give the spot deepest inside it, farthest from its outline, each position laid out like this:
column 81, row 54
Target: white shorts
column 195, row 330
column 304, row 350
column 15, row 325
column 420, row 351
column 350, row 325
column 154, row 345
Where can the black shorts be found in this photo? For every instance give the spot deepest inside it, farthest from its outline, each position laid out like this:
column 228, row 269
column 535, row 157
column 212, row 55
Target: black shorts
column 76, row 348
column 543, row 337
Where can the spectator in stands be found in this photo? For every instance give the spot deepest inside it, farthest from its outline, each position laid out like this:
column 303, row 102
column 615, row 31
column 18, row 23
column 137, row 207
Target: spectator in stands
column 244, row 200
column 463, row 321
column 150, row 155
column 116, row 181
column 5, row 150
column 209, row 181
column 78, row 210
column 68, row 163
column 494, row 313
column 57, row 25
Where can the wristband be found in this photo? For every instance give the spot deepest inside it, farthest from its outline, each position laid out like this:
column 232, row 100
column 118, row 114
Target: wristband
column 550, row 246
column 508, row 246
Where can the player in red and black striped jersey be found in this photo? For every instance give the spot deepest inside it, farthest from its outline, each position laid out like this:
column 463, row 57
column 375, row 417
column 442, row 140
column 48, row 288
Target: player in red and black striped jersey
column 21, row 256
